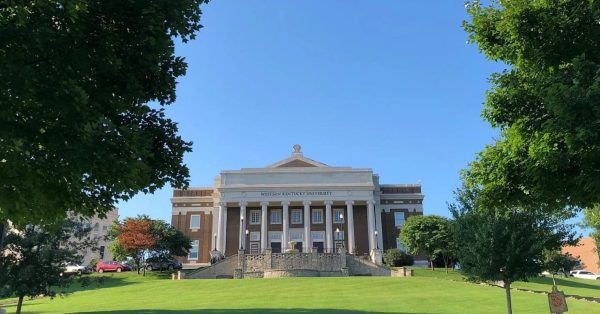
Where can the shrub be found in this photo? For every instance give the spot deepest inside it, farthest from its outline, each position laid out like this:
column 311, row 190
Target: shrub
column 93, row 263
column 395, row 257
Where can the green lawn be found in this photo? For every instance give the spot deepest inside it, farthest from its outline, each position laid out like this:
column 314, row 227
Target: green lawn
column 130, row 293
column 570, row 286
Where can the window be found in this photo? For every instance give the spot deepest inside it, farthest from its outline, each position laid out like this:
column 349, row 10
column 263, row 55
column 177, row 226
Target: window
column 339, row 236
column 255, row 236
column 104, row 228
column 296, row 216
column 276, row 217
column 194, row 251
column 275, row 236
column 296, row 236
column 317, row 216
column 195, row 222
column 255, row 217
column 399, row 219
column 338, row 216
column 317, row 236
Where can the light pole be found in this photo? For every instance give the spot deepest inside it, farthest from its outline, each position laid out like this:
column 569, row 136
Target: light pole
column 337, row 232
column 215, row 235
column 241, row 228
column 376, row 242
column 246, row 237
column 342, row 228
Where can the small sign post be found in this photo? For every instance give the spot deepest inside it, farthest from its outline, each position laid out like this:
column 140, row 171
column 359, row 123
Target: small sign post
column 557, row 301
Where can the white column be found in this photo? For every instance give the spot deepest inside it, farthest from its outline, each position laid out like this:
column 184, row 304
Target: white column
column 284, row 220
column 307, row 245
column 263, row 226
column 371, row 224
column 220, row 226
column 378, row 226
column 243, row 221
column 224, row 244
column 350, row 214
column 328, row 227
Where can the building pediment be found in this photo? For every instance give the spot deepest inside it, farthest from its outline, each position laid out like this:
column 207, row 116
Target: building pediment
column 297, row 160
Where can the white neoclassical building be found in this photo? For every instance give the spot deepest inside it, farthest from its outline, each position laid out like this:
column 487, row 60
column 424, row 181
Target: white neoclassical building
column 296, row 201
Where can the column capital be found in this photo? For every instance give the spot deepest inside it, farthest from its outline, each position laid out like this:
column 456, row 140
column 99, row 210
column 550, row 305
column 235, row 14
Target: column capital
column 348, row 203
column 223, row 204
column 264, row 203
column 306, row 203
column 371, row 202
column 285, row 203
column 243, row 204
column 328, row 203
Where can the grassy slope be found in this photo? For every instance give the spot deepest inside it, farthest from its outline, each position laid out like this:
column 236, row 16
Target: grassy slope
column 128, row 293
column 570, row 286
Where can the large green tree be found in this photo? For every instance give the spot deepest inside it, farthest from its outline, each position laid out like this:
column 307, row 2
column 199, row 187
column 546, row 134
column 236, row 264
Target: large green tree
column 591, row 219
column 33, row 260
column 546, row 104
column 504, row 244
column 428, row 235
column 77, row 132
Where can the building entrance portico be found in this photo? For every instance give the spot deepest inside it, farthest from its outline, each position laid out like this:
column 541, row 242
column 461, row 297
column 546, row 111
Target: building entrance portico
column 296, row 201
column 325, row 225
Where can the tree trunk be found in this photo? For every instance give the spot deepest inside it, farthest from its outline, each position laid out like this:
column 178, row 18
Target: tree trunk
column 19, row 305
column 2, row 230
column 446, row 262
column 432, row 267
column 508, row 300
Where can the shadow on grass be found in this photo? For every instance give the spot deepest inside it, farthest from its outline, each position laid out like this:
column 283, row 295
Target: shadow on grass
column 564, row 282
column 92, row 283
column 246, row 311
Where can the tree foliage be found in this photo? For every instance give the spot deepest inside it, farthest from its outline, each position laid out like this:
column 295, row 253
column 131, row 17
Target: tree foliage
column 139, row 237
column 504, row 244
column 76, row 131
column 556, row 262
column 395, row 258
column 591, row 219
column 170, row 241
column 33, row 259
column 546, row 104
column 429, row 235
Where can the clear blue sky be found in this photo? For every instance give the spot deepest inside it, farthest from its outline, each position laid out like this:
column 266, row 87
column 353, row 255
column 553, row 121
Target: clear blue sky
column 387, row 85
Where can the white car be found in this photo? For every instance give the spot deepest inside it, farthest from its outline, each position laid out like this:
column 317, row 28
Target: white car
column 76, row 269
column 585, row 274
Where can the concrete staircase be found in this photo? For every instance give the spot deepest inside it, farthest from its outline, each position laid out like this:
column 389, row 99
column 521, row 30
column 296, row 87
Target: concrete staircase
column 359, row 266
column 221, row 269
column 354, row 265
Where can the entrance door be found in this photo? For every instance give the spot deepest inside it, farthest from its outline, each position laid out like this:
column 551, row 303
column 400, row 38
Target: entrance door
column 276, row 247
column 254, row 247
column 320, row 246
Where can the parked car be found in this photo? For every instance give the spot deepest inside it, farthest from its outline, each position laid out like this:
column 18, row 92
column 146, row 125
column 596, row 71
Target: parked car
column 585, row 274
column 103, row 266
column 129, row 265
column 76, row 269
column 160, row 264
column 559, row 273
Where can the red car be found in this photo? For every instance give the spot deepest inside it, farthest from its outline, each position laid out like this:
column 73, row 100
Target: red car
column 103, row 266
